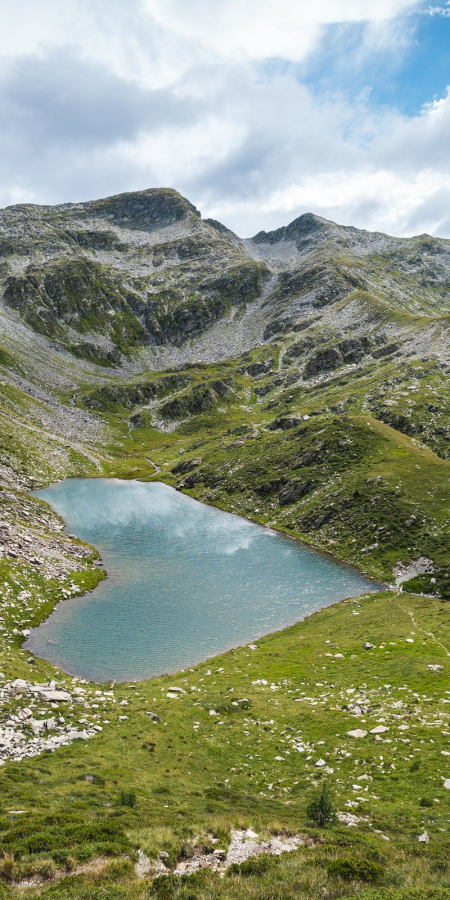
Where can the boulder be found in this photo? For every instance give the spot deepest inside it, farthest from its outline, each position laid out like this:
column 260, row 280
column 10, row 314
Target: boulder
column 52, row 696
column 185, row 466
column 294, row 491
column 325, row 361
column 285, row 422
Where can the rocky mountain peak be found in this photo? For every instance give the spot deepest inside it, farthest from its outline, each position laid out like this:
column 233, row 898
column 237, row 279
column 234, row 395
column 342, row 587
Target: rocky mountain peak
column 304, row 226
column 143, row 210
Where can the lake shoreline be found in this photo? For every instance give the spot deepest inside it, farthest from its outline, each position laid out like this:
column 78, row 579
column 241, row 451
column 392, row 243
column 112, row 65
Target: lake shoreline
column 235, row 641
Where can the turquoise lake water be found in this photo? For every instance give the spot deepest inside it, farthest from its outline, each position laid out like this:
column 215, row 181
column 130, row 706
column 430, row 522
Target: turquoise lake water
column 185, row 582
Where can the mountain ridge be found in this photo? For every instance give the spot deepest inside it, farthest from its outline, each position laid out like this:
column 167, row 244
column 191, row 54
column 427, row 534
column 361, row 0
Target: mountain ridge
column 143, row 269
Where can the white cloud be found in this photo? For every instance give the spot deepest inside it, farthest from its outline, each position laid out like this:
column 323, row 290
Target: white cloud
column 438, row 11
column 258, row 29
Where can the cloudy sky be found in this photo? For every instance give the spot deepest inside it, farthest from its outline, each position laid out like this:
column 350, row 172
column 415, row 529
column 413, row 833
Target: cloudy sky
column 256, row 110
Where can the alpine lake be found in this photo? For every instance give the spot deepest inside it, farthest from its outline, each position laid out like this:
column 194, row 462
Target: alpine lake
column 185, row 582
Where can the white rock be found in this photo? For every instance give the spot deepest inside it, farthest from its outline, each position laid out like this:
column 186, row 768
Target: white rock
column 50, row 694
column 380, row 729
column 357, row 733
column 423, row 838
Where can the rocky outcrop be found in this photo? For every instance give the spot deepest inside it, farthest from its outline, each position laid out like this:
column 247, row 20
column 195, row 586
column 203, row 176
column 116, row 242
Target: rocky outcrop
column 114, row 396
column 199, row 399
column 185, row 466
column 325, row 361
column 295, row 490
column 285, row 423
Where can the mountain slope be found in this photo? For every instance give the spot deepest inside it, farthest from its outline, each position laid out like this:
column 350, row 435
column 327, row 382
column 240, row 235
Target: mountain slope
column 314, row 323
column 300, row 378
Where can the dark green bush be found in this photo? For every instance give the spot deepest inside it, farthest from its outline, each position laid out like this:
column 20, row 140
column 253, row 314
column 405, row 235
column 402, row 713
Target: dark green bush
column 321, row 808
column 128, row 798
column 166, row 887
column 353, row 868
column 256, row 865
column 60, row 857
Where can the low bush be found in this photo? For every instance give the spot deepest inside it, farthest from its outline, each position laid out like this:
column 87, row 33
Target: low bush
column 128, row 798
column 353, row 868
column 256, row 865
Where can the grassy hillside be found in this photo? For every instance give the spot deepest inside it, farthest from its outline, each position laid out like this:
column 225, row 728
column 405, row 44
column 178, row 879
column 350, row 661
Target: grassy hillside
column 282, row 716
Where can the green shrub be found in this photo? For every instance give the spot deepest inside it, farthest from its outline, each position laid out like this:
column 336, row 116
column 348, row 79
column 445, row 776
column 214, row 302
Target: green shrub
column 321, row 808
column 166, row 887
column 256, row 865
column 353, row 868
column 118, row 869
column 46, row 869
column 60, row 857
column 128, row 798
column 178, row 887
column 194, row 880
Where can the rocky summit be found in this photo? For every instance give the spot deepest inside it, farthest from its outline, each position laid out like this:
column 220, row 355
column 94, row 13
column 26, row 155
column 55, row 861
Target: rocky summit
column 299, row 378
